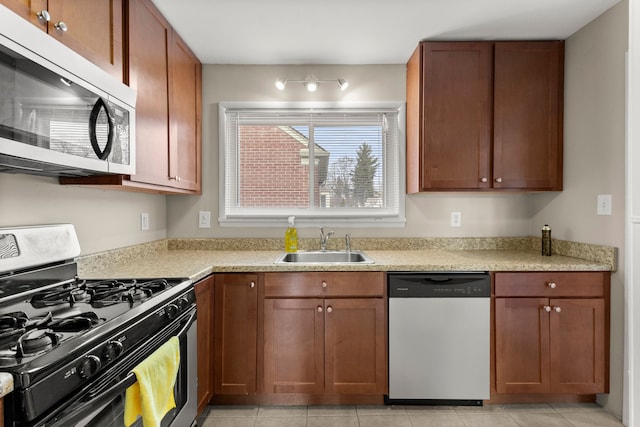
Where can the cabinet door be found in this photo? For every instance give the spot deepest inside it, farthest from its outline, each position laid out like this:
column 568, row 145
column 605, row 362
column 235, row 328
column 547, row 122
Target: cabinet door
column 184, row 115
column 28, row 9
column 94, row 30
column 204, row 303
column 522, row 345
column 235, row 336
column 294, row 345
column 577, row 350
column 355, row 346
column 528, row 114
column 456, row 127
column 148, row 61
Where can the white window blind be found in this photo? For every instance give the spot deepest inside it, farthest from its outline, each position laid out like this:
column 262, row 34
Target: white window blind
column 320, row 164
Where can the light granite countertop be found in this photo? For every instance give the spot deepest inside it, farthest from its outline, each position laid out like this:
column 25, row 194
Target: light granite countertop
column 6, row 384
column 197, row 264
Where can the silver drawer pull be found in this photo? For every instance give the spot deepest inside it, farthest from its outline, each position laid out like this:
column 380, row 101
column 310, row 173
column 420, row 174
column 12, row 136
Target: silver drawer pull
column 324, row 284
column 552, row 285
column 252, row 284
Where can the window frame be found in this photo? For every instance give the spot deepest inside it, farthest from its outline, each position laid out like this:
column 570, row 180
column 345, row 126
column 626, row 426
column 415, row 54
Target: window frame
column 353, row 218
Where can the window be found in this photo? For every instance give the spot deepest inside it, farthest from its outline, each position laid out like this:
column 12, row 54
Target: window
column 323, row 164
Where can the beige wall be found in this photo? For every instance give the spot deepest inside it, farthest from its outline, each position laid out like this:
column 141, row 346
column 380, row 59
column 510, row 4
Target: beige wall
column 427, row 215
column 594, row 159
column 103, row 219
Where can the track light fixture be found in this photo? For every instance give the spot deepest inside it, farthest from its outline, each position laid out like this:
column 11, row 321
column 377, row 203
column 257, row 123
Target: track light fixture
column 311, row 83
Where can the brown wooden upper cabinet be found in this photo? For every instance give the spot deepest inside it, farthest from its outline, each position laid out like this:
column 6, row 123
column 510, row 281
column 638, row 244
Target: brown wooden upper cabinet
column 168, row 79
column 94, row 29
column 167, row 76
column 485, row 116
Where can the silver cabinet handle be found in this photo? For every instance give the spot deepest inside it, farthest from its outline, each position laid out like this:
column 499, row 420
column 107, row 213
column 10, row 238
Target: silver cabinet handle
column 557, row 309
column 329, row 309
column 174, row 178
column 61, row 26
column 252, row 284
column 552, row 285
column 324, row 284
column 319, row 309
column 498, row 179
column 484, row 179
column 44, row 16
column 547, row 308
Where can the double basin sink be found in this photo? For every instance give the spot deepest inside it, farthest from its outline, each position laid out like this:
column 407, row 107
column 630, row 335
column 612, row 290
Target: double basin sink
column 324, row 257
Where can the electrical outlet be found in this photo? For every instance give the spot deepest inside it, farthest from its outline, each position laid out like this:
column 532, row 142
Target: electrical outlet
column 144, row 221
column 204, row 219
column 604, row 204
column 456, row 219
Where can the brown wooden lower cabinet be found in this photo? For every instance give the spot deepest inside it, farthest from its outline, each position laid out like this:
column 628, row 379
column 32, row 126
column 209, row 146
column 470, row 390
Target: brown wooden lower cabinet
column 324, row 345
column 204, row 303
column 552, row 338
column 235, row 333
column 300, row 338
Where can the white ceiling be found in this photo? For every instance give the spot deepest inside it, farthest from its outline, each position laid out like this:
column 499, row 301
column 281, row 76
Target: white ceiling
column 361, row 31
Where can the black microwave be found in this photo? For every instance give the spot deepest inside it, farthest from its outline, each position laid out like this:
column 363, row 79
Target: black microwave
column 60, row 115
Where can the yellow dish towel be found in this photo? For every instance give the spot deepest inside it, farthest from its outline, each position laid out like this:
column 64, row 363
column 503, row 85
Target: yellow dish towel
column 152, row 394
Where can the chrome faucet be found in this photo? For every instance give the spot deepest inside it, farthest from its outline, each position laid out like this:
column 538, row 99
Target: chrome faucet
column 324, row 238
column 347, row 242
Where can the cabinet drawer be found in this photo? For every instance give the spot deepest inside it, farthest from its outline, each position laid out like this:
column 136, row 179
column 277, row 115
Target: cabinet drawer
column 551, row 284
column 322, row 284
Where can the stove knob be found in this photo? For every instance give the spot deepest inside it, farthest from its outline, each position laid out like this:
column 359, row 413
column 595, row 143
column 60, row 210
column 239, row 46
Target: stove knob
column 112, row 350
column 89, row 366
column 183, row 302
column 172, row 311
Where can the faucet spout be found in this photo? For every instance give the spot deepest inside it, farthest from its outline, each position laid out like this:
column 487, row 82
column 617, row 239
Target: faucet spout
column 324, row 238
column 347, row 242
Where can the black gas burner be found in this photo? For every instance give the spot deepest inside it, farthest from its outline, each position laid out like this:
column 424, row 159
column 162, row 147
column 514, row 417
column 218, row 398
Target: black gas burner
column 57, row 296
column 77, row 323
column 36, row 341
column 28, row 336
column 110, row 292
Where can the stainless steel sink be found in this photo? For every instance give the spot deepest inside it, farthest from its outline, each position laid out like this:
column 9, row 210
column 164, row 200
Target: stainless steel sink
column 324, row 257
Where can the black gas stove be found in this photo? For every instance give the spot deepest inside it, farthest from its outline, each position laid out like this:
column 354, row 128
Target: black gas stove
column 60, row 335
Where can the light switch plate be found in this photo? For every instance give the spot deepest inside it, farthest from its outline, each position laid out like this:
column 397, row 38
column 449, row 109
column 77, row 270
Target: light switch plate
column 604, row 204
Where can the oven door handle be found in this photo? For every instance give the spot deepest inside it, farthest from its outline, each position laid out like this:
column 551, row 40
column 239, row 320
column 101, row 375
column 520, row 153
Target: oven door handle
column 102, row 398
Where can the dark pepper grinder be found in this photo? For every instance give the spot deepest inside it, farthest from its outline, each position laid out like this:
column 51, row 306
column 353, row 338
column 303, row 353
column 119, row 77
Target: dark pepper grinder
column 546, row 240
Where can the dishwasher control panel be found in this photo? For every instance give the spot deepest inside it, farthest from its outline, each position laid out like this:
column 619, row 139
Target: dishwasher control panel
column 439, row 285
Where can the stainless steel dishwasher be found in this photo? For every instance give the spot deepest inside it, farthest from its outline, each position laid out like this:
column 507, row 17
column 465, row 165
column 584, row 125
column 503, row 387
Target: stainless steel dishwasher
column 439, row 338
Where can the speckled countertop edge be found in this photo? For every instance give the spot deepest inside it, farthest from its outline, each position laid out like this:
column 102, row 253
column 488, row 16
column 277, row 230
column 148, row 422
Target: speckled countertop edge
column 197, row 258
column 6, row 383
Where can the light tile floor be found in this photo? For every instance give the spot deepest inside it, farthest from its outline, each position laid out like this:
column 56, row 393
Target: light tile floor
column 530, row 415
